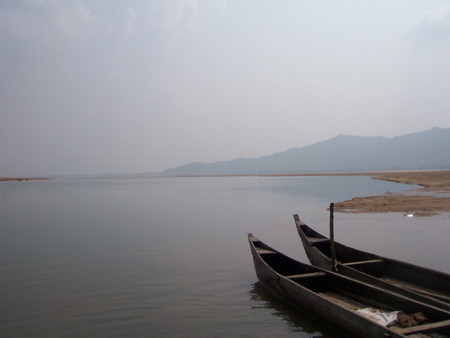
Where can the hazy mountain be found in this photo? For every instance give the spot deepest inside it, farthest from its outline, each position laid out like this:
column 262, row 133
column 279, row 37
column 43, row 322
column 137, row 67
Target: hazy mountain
column 425, row 150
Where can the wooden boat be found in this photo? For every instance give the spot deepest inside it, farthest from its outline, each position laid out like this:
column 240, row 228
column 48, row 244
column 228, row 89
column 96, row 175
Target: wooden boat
column 339, row 299
column 419, row 283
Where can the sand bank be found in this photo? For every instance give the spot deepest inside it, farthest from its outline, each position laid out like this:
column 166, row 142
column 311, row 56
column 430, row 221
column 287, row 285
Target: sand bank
column 416, row 201
column 431, row 199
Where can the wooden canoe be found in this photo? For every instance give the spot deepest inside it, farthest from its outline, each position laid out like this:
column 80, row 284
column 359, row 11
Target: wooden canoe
column 336, row 298
column 419, row 283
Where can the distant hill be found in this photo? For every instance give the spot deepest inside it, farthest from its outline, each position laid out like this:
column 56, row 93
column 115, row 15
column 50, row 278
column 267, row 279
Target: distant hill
column 425, row 150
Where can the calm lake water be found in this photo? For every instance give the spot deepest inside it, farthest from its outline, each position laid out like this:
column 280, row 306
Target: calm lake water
column 169, row 257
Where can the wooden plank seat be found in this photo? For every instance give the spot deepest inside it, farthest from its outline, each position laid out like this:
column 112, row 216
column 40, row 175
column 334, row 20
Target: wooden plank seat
column 424, row 327
column 316, row 241
column 264, row 251
column 307, row 275
column 371, row 261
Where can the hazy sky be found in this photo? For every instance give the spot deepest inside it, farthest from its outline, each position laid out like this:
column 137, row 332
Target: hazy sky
column 107, row 86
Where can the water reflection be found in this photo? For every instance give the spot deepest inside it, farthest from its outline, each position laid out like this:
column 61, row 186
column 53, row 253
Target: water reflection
column 170, row 256
column 296, row 321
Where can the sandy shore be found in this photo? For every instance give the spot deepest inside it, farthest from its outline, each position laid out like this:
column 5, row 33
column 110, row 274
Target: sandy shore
column 416, row 201
column 431, row 199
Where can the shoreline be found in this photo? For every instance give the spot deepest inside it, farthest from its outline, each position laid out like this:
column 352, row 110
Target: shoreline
column 432, row 198
column 414, row 202
column 19, row 179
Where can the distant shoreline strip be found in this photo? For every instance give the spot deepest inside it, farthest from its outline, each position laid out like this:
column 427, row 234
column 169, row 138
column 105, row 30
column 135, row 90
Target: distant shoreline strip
column 8, row 179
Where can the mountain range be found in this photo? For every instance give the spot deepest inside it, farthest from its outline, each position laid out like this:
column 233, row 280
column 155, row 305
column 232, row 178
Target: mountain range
column 426, row 150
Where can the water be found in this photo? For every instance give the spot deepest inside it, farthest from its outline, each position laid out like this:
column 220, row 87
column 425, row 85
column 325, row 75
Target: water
column 169, row 256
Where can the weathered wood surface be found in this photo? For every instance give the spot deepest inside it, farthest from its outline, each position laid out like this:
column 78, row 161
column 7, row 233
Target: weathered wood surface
column 424, row 327
column 333, row 297
column 425, row 285
column 332, row 246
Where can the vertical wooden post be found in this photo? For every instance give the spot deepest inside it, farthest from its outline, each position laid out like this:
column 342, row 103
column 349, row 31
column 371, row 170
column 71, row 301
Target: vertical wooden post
column 332, row 247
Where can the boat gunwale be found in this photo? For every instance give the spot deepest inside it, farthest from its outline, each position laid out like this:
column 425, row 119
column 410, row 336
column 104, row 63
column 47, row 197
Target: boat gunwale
column 318, row 258
column 325, row 301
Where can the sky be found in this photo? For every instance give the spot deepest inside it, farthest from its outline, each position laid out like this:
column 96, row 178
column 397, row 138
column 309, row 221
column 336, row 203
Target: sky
column 130, row 86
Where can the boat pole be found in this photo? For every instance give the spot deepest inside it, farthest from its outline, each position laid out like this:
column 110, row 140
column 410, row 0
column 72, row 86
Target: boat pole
column 332, row 247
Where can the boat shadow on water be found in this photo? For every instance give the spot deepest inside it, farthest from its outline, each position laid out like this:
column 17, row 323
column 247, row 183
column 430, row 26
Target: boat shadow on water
column 296, row 321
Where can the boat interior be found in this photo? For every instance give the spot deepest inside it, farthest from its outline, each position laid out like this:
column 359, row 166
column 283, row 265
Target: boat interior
column 342, row 291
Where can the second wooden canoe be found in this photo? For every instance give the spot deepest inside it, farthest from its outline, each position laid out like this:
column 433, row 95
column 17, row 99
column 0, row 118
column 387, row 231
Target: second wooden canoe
column 419, row 283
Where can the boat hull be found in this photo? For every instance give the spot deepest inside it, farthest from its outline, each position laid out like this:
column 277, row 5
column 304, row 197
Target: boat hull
column 422, row 284
column 286, row 283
